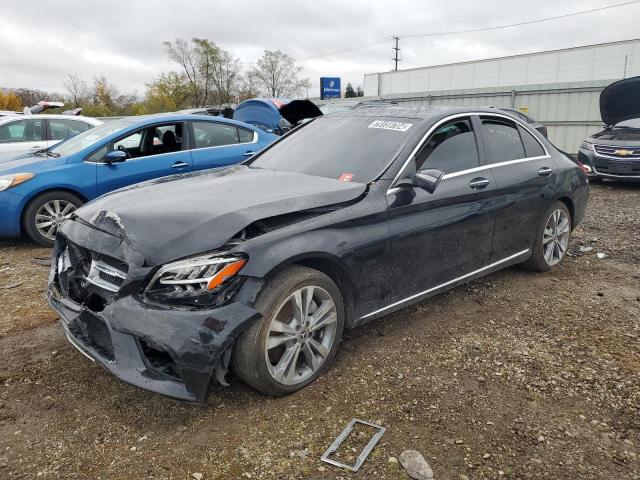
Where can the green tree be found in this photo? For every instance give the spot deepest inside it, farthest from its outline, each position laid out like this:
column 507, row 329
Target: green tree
column 349, row 92
column 166, row 93
column 359, row 92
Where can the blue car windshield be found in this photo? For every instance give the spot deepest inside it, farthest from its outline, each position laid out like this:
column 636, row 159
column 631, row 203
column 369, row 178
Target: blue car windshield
column 88, row 138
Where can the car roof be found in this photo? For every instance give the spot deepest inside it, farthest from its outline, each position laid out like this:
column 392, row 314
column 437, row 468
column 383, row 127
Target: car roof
column 142, row 120
column 20, row 116
column 422, row 112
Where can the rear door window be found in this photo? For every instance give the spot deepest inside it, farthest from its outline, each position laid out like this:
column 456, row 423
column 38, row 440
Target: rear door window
column 30, row 130
column 245, row 136
column 503, row 139
column 61, row 129
column 532, row 146
column 214, row 134
column 451, row 148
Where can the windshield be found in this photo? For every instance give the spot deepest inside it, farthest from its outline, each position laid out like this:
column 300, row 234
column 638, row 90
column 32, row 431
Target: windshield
column 85, row 139
column 345, row 148
column 633, row 123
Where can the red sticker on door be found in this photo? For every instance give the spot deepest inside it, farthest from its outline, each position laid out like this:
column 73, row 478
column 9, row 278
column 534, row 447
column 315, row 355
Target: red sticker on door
column 346, row 177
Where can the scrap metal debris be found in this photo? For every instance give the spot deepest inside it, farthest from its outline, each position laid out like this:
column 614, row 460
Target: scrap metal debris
column 343, row 436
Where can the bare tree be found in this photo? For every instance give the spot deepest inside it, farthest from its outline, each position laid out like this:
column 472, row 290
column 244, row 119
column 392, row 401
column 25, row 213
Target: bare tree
column 278, row 74
column 184, row 54
column 226, row 77
column 77, row 90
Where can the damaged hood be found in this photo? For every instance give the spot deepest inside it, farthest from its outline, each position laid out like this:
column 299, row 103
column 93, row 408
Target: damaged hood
column 176, row 217
column 620, row 101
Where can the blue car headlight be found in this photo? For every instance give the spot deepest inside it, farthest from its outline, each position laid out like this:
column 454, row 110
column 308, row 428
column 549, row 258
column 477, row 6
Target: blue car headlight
column 8, row 181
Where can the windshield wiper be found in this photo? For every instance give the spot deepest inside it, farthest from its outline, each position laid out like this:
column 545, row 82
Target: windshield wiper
column 51, row 154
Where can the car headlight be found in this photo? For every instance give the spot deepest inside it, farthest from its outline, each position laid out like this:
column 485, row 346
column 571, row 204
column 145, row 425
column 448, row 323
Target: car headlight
column 194, row 281
column 587, row 145
column 8, row 181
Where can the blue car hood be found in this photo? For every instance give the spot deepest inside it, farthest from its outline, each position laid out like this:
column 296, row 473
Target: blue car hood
column 29, row 163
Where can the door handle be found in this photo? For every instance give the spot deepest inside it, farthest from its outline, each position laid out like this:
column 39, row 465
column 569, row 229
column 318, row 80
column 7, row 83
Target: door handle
column 545, row 172
column 479, row 183
column 249, row 154
column 180, row 165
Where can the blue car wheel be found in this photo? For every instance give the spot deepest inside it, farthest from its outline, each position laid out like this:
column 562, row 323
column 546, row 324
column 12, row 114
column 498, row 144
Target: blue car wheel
column 45, row 213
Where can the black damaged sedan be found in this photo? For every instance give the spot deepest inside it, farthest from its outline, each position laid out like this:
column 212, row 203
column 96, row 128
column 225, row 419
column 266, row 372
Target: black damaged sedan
column 260, row 267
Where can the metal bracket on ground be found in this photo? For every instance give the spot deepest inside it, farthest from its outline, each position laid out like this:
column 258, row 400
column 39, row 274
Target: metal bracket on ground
column 342, row 437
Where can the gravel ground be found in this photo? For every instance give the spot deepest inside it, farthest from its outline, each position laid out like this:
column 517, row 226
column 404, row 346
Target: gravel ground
column 517, row 375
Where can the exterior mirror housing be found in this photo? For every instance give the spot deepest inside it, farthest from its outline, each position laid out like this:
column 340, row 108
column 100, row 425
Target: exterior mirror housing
column 428, row 179
column 115, row 156
column 425, row 179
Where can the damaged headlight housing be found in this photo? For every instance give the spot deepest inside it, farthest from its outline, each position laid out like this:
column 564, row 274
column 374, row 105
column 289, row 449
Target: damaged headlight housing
column 8, row 181
column 194, row 281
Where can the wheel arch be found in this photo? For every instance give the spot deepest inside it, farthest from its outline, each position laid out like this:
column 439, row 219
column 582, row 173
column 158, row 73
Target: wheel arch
column 39, row 193
column 332, row 267
column 568, row 201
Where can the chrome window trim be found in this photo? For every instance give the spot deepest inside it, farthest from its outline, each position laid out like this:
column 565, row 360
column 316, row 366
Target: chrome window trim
column 392, row 188
column 136, row 158
column 445, row 284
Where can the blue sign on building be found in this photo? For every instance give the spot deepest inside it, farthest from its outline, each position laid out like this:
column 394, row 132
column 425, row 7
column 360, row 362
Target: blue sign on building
column 329, row 87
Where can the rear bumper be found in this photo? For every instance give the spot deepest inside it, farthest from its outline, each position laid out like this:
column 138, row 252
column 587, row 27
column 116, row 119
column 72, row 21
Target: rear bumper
column 10, row 210
column 172, row 352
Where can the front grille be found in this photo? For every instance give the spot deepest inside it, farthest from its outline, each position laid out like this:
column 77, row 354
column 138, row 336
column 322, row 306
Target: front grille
column 618, row 152
column 89, row 278
column 93, row 332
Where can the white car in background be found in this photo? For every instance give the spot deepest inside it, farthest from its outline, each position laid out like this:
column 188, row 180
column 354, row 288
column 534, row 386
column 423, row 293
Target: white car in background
column 26, row 133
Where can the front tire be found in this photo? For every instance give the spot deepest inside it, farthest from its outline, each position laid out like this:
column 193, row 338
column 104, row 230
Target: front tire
column 552, row 239
column 45, row 213
column 298, row 337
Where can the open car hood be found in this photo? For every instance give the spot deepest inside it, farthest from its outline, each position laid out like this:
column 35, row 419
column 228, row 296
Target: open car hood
column 297, row 110
column 175, row 217
column 620, row 101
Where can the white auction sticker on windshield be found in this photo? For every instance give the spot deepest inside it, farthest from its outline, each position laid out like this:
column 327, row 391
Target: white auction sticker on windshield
column 388, row 125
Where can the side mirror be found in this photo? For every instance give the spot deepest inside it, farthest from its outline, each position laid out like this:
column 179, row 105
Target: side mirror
column 428, row 179
column 115, row 156
column 425, row 179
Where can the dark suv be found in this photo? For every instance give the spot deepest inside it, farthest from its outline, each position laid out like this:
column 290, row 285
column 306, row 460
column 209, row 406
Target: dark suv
column 614, row 152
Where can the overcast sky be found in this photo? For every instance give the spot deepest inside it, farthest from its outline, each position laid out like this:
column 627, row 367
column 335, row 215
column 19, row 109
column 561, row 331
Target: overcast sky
column 44, row 40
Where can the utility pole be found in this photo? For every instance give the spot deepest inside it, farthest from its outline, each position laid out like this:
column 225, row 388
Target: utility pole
column 395, row 58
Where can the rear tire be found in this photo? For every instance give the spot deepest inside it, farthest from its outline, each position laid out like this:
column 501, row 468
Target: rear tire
column 552, row 239
column 45, row 213
column 283, row 353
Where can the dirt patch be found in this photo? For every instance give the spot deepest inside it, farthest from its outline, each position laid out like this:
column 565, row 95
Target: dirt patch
column 517, row 375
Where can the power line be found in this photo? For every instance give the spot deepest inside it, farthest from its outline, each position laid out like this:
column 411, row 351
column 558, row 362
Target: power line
column 529, row 22
column 498, row 27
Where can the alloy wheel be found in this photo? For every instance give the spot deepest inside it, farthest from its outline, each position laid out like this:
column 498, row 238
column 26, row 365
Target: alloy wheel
column 301, row 335
column 555, row 237
column 50, row 216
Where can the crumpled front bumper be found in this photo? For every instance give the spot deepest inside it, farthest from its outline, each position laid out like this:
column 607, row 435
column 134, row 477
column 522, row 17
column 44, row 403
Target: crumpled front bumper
column 195, row 341
column 168, row 350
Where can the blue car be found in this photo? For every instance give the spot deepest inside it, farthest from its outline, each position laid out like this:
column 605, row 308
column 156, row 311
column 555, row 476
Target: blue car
column 39, row 191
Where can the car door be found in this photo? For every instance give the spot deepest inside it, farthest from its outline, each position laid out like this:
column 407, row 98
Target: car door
column 60, row 129
column 217, row 144
column 441, row 236
column 22, row 135
column 525, row 176
column 155, row 151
